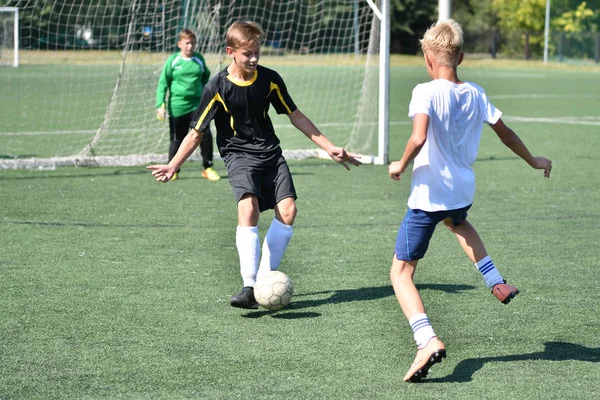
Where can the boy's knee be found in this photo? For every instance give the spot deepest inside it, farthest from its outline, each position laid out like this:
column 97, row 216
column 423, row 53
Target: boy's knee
column 248, row 210
column 289, row 213
column 286, row 210
column 401, row 268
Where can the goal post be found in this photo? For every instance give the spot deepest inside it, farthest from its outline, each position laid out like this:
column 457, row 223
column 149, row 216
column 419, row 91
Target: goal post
column 9, row 36
column 94, row 68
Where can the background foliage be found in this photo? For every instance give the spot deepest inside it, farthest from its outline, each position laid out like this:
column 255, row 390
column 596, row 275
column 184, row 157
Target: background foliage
column 410, row 18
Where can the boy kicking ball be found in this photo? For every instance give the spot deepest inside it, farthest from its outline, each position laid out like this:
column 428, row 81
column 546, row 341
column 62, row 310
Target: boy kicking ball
column 448, row 116
column 238, row 99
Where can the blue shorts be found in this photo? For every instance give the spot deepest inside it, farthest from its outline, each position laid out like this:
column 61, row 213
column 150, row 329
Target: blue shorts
column 417, row 228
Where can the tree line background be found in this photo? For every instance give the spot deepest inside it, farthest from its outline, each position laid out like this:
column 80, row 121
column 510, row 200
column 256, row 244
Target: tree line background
column 511, row 27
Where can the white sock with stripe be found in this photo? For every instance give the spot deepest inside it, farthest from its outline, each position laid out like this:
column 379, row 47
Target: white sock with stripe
column 490, row 274
column 422, row 329
column 248, row 246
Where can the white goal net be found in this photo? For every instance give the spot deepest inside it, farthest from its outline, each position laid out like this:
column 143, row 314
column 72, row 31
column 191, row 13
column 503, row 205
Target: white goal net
column 85, row 89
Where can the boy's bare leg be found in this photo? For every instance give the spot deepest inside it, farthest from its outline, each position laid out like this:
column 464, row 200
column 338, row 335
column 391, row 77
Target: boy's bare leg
column 473, row 246
column 469, row 240
column 408, row 296
column 431, row 350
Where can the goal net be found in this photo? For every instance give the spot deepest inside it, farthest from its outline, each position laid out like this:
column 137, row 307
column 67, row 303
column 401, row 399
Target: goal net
column 9, row 36
column 84, row 93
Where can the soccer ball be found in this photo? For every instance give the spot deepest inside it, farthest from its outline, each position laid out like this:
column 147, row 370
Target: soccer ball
column 273, row 290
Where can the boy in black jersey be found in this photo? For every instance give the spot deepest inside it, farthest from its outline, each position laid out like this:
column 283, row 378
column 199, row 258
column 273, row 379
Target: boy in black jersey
column 238, row 100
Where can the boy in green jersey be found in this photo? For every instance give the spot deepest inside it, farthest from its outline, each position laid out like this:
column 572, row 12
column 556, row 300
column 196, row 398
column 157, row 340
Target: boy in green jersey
column 184, row 76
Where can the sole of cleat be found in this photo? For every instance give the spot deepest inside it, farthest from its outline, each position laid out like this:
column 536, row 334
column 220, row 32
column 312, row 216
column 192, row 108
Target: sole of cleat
column 510, row 297
column 243, row 305
column 422, row 372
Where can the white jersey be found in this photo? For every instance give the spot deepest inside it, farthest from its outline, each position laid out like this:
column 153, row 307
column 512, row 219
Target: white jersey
column 442, row 177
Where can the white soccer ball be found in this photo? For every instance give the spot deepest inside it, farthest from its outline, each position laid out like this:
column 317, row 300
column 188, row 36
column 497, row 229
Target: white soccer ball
column 273, row 290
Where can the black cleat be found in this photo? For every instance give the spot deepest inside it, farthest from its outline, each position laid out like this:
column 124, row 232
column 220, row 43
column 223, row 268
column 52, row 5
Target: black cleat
column 244, row 299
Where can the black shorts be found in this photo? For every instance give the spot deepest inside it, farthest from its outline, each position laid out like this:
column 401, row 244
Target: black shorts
column 270, row 184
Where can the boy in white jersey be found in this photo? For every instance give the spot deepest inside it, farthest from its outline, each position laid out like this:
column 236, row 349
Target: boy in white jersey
column 448, row 117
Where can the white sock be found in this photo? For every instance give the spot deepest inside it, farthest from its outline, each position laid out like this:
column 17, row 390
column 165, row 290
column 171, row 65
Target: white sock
column 248, row 246
column 422, row 329
column 490, row 274
column 276, row 241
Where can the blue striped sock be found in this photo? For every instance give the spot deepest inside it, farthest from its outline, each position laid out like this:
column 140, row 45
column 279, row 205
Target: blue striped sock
column 490, row 274
column 422, row 329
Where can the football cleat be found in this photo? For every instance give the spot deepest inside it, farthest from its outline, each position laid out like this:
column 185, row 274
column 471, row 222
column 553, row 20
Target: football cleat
column 244, row 299
column 504, row 292
column 210, row 174
column 431, row 354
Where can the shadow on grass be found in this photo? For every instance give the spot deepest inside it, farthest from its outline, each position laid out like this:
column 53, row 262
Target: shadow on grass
column 282, row 314
column 346, row 296
column 553, row 351
column 370, row 293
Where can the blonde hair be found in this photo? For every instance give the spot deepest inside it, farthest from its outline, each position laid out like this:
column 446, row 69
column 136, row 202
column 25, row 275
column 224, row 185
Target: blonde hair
column 242, row 33
column 444, row 41
column 187, row 34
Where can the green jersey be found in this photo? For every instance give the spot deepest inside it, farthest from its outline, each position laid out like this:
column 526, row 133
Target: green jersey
column 184, row 79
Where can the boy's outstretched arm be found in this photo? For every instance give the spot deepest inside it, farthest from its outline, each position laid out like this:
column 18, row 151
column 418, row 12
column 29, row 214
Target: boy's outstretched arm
column 164, row 172
column 513, row 142
column 338, row 154
column 413, row 146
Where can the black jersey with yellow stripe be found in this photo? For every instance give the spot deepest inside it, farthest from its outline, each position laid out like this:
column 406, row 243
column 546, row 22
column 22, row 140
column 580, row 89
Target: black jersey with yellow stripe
column 240, row 111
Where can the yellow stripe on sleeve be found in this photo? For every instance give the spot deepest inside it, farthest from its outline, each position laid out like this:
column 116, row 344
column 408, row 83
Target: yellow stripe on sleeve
column 210, row 105
column 275, row 87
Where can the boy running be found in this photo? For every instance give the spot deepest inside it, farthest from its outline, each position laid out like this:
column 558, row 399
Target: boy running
column 237, row 99
column 448, row 117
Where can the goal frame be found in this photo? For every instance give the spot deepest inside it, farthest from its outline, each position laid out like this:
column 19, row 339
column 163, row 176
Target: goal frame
column 15, row 11
column 377, row 121
column 384, row 80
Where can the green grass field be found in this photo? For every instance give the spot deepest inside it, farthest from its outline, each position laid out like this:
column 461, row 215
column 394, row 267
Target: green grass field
column 115, row 286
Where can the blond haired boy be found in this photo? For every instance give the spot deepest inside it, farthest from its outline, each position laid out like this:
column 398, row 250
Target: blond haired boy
column 448, row 116
column 238, row 99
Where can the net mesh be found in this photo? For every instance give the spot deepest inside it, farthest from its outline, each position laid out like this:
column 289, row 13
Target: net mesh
column 85, row 90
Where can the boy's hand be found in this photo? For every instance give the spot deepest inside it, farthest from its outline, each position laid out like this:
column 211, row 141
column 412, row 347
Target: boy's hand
column 395, row 170
column 341, row 156
column 162, row 173
column 543, row 163
column 161, row 114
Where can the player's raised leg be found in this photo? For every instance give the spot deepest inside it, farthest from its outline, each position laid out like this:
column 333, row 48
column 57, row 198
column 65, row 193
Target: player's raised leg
column 278, row 236
column 473, row 246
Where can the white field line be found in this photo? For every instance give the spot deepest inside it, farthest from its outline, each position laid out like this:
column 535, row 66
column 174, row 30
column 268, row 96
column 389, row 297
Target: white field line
column 591, row 120
column 545, row 96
